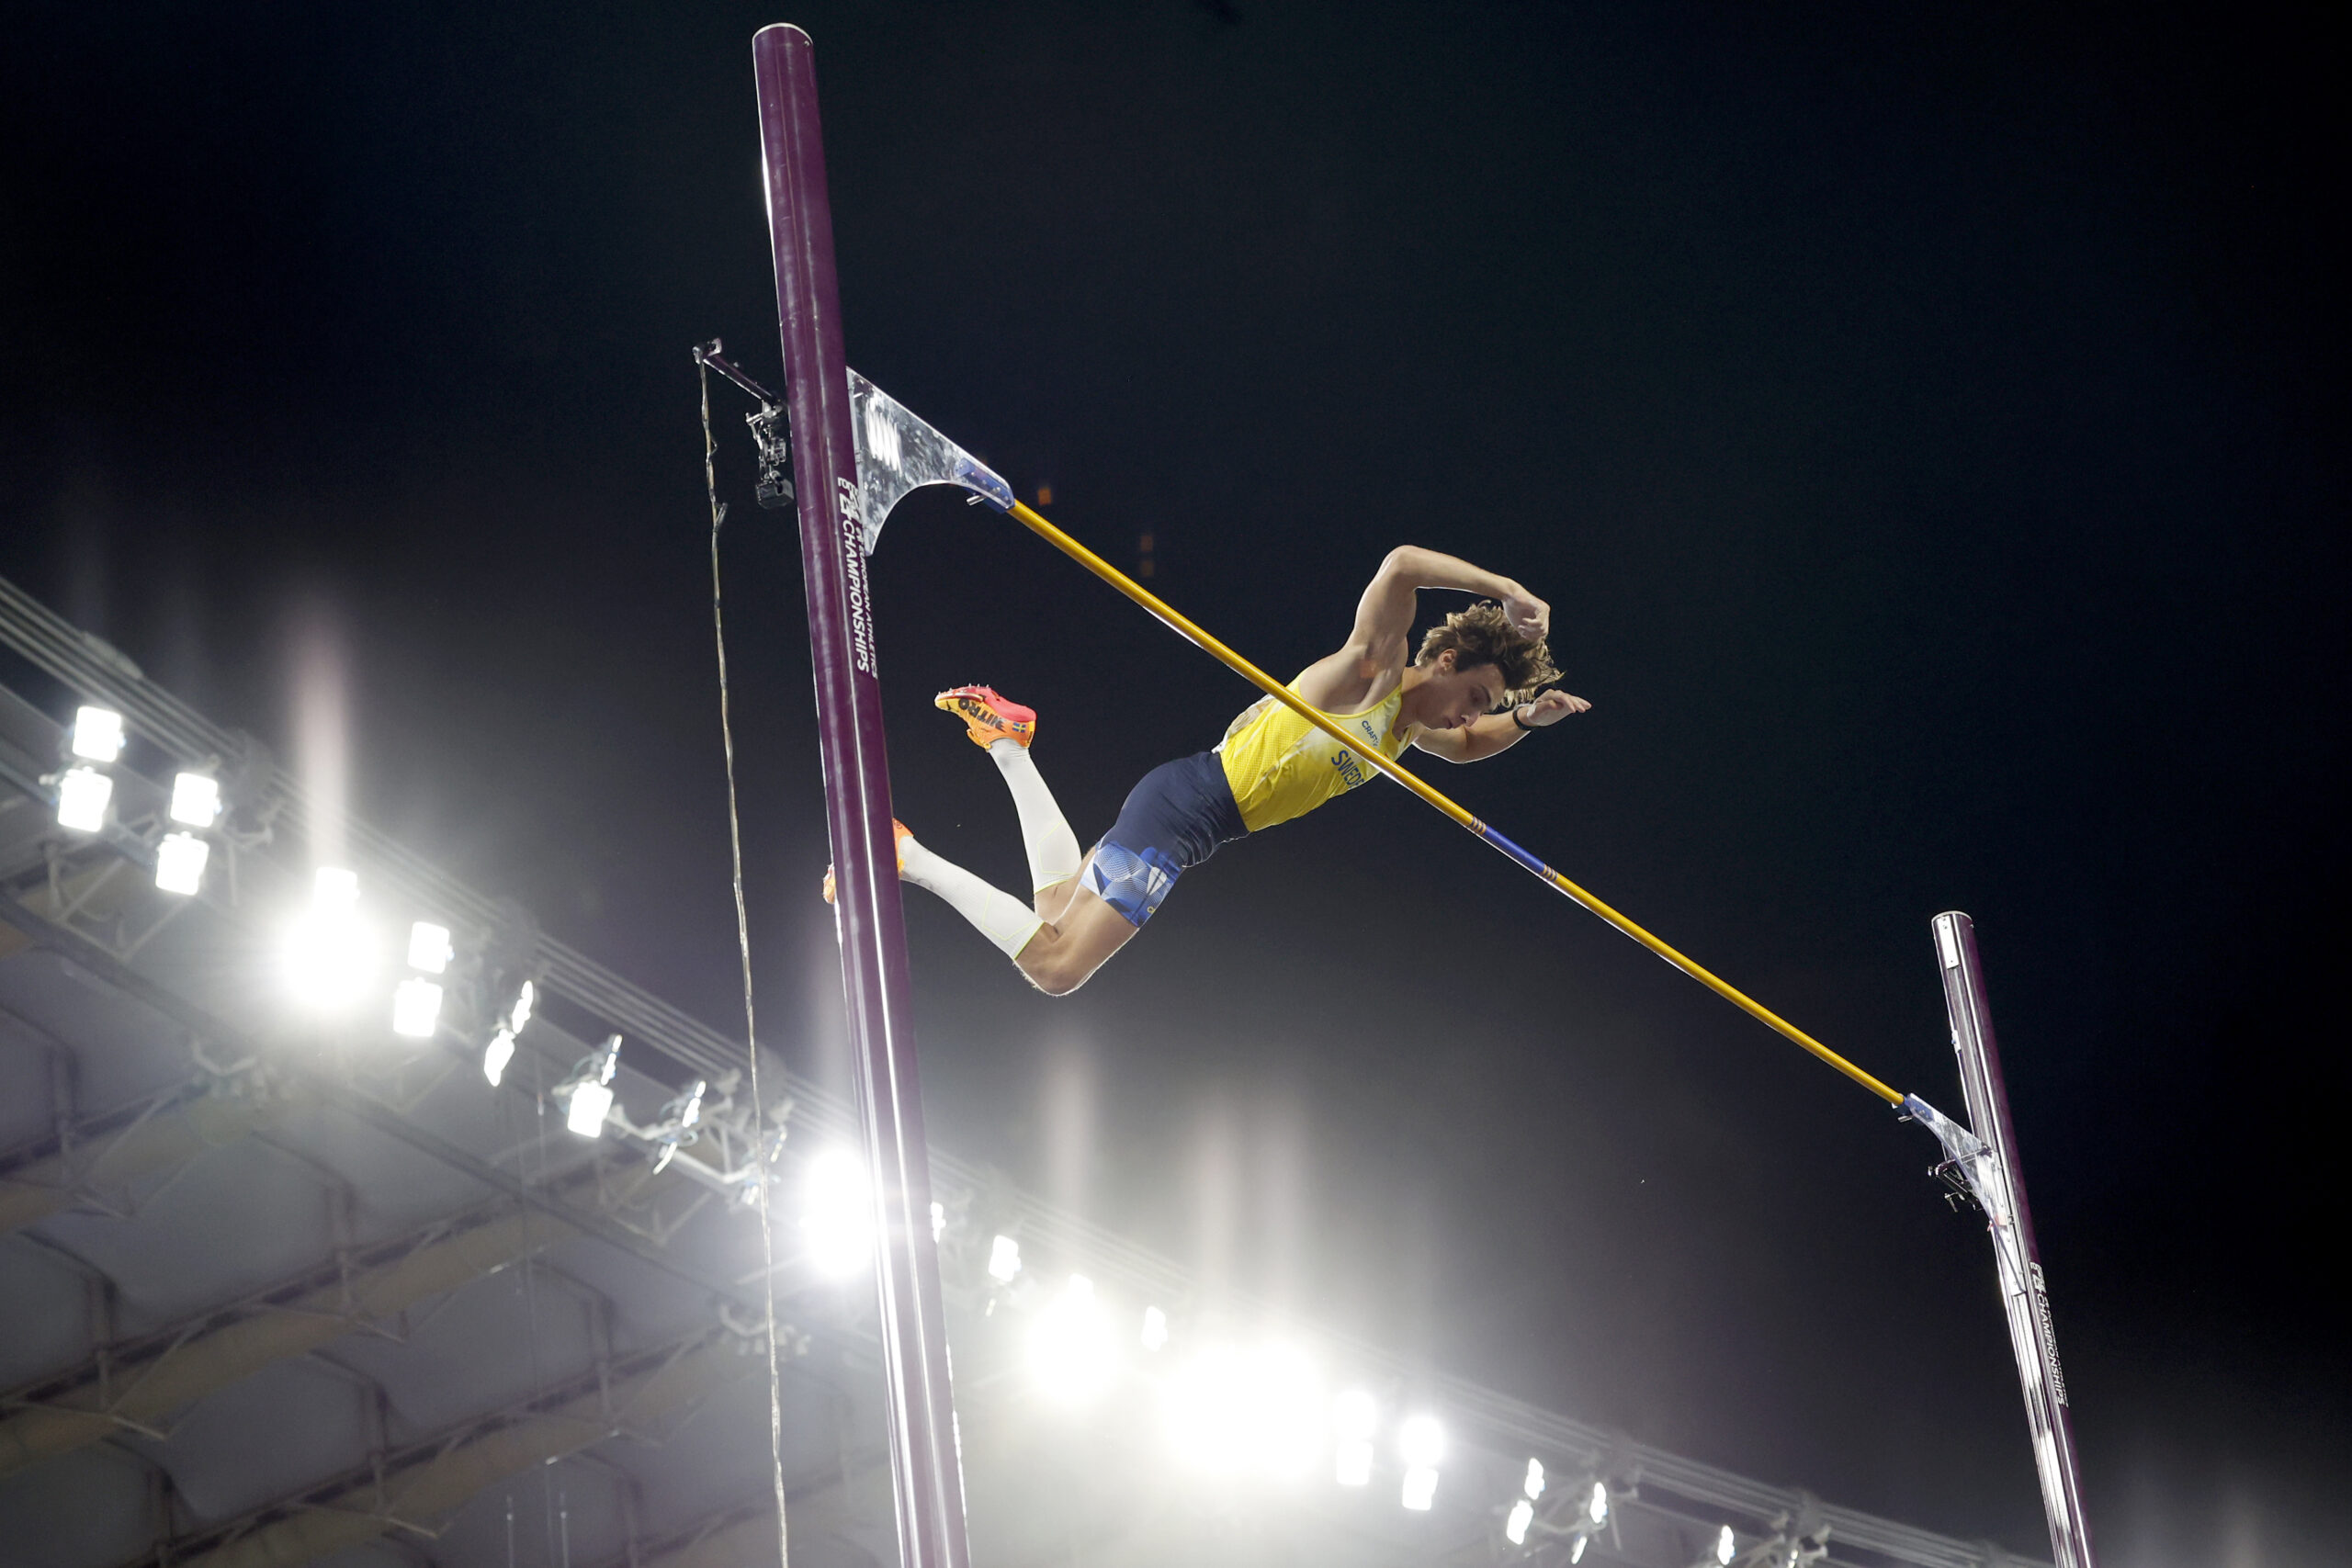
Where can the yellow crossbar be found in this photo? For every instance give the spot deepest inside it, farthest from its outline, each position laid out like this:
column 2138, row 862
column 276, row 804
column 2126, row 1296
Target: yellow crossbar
column 1177, row 622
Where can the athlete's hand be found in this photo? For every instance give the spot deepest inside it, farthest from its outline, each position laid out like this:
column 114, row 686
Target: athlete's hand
column 1551, row 707
column 1528, row 616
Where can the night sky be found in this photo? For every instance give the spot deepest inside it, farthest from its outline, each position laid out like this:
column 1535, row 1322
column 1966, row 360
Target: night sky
column 1928, row 432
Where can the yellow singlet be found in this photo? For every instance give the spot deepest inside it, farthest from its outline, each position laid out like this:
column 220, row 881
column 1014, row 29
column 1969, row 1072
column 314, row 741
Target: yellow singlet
column 1281, row 766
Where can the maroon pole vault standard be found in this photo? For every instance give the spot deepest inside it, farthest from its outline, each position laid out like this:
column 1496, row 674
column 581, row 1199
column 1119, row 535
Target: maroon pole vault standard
column 923, row 1461
column 1989, row 1160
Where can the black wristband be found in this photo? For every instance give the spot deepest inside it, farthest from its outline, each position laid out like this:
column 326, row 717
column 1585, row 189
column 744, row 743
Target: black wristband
column 1531, row 728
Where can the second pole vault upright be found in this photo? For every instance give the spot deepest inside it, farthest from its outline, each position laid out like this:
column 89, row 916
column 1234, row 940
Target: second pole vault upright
column 927, row 1482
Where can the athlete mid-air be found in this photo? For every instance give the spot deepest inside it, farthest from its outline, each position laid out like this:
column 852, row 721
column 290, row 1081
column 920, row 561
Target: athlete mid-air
column 1447, row 698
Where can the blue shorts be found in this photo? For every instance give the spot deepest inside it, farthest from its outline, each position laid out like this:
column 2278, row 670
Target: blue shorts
column 1174, row 818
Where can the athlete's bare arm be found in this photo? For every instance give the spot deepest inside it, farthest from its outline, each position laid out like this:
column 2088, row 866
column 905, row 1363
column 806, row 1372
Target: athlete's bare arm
column 1367, row 667
column 1498, row 732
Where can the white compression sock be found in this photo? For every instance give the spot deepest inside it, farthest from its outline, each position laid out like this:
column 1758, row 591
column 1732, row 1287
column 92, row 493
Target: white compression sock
column 1054, row 854
column 1000, row 917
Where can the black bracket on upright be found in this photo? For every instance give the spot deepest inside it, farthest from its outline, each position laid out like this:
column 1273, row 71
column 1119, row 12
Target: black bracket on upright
column 769, row 429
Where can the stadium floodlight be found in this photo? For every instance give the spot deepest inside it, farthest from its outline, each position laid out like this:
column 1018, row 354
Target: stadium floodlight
column 589, row 1105
column 196, row 799
column 1596, row 1506
column 1725, row 1546
column 675, row 1128
column 1576, row 1552
column 1258, row 1413
column 97, row 734
column 416, row 1008
column 330, row 956
column 1423, row 1443
column 500, row 1049
column 1288, row 1408
column 1422, row 1440
column 1004, row 1260
column 1155, row 1328
column 1353, row 1418
column 1523, row 1514
column 1533, row 1484
column 496, row 1055
column 589, row 1095
column 429, row 948
column 836, row 1214
column 1071, row 1350
column 83, row 795
column 179, row 862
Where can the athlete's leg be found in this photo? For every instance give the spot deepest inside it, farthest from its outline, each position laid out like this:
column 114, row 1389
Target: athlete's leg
column 1058, row 957
column 1052, row 850
column 1069, row 949
column 998, row 916
column 1005, row 729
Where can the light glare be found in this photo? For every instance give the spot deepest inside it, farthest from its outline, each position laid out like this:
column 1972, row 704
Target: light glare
column 1155, row 1328
column 428, row 947
column 1259, row 1412
column 520, row 1014
column 1420, row 1488
column 938, row 1221
column 196, row 799
column 330, row 959
column 1070, row 1347
column 1596, row 1508
column 1523, row 1514
column 1576, row 1552
column 1423, row 1441
column 1353, row 1418
column 835, row 1216
column 1004, row 1260
column 97, row 734
column 494, row 1058
column 416, row 1008
column 82, row 797
column 1533, row 1484
column 179, row 862
column 590, row 1104
column 1725, row 1546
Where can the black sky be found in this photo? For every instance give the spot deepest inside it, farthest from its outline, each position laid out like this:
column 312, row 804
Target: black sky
column 1928, row 429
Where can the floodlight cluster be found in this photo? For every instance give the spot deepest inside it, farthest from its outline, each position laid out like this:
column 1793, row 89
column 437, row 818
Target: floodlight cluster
column 331, row 952
column 1232, row 1414
column 94, row 745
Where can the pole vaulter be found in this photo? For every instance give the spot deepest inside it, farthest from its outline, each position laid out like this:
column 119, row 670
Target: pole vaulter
column 859, row 453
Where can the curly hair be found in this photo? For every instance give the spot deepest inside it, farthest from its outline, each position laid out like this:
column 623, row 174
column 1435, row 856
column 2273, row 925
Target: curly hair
column 1484, row 635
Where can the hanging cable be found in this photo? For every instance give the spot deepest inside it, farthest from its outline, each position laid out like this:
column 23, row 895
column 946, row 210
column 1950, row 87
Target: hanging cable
column 743, row 944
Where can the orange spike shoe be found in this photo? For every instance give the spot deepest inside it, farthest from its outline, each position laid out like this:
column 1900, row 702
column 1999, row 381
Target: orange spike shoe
column 988, row 718
column 899, row 836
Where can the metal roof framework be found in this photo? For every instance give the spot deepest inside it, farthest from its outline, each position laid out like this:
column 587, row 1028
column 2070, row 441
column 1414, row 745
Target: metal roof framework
column 274, row 1291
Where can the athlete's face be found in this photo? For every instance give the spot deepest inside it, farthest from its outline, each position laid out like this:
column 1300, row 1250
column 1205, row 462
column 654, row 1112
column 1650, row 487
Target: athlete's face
column 1452, row 697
